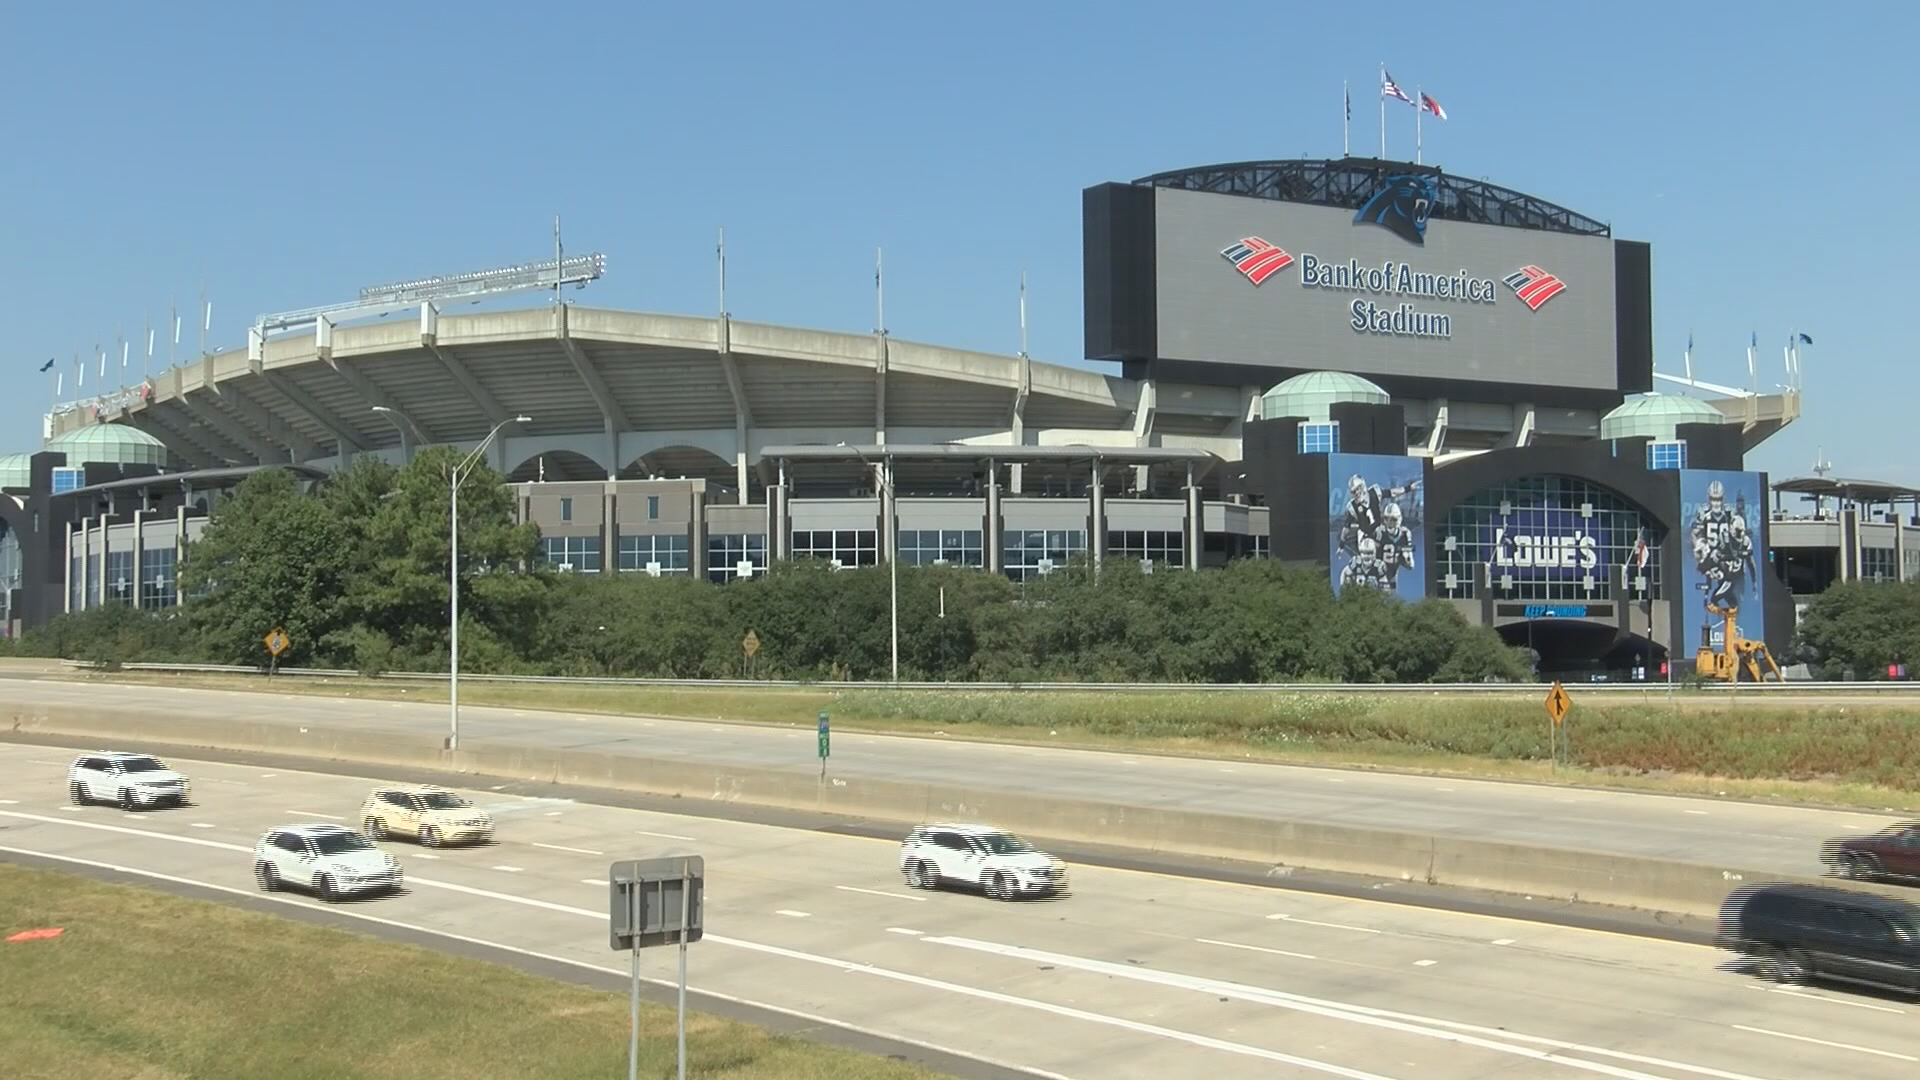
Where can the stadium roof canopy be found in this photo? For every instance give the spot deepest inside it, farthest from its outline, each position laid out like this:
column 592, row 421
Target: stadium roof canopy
column 1836, row 487
column 1348, row 182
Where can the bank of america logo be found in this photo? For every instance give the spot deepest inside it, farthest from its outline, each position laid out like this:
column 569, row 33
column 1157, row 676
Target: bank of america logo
column 1256, row 258
column 1534, row 286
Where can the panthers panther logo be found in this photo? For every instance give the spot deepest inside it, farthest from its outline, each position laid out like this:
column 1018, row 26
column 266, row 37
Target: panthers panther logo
column 1401, row 205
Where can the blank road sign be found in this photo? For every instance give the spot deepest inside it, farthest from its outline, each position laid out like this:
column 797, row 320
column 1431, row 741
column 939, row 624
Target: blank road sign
column 644, row 899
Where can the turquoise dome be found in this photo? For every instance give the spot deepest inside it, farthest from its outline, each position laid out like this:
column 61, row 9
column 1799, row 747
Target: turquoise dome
column 1657, row 416
column 1308, row 396
column 121, row 444
column 16, row 470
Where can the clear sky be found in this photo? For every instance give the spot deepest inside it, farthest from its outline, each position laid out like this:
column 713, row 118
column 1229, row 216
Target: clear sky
column 285, row 156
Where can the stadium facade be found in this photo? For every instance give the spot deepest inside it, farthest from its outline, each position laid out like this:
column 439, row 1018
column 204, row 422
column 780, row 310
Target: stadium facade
column 1427, row 385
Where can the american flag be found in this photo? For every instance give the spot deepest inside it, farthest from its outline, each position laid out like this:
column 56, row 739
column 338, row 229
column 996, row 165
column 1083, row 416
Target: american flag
column 1389, row 88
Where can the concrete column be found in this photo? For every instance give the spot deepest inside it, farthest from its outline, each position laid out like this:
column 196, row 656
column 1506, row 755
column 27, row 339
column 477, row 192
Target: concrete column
column 777, row 538
column 889, row 516
column 609, row 531
column 990, row 536
column 1097, row 536
column 139, row 556
column 179, row 553
column 66, row 573
column 1196, row 522
column 697, row 537
column 100, row 565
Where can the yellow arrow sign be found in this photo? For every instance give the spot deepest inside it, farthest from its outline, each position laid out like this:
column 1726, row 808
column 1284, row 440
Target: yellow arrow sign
column 1558, row 702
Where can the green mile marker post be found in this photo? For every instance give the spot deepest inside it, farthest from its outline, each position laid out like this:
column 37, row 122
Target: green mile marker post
column 826, row 738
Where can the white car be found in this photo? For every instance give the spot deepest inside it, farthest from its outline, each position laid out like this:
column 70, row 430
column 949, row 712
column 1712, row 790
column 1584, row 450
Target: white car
column 990, row 859
column 332, row 861
column 132, row 781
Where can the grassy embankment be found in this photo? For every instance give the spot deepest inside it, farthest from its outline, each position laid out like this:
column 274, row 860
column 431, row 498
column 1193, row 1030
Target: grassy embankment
column 1780, row 750
column 143, row 984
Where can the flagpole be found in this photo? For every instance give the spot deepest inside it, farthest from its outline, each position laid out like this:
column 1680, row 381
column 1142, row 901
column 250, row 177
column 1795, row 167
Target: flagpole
column 1383, row 110
column 1346, row 117
column 1418, row 97
column 1753, row 378
column 1689, row 357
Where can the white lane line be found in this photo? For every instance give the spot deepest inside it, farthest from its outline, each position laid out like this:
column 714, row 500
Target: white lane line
column 508, row 869
column 283, row 898
column 1446, row 789
column 904, row 930
column 1328, row 925
column 201, row 825
column 135, row 817
column 1700, row 813
column 1500, row 1040
column 10, row 802
column 791, row 914
column 423, row 855
column 1425, row 963
column 553, row 813
column 268, row 775
column 1255, row 948
column 880, row 892
column 312, row 813
column 1824, row 1042
column 594, row 881
column 1503, row 941
column 1828, row 1000
column 663, row 835
column 563, row 847
column 73, row 809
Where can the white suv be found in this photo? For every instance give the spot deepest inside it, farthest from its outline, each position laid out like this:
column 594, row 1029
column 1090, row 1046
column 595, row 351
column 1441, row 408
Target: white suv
column 133, row 781
column 993, row 860
column 332, row 861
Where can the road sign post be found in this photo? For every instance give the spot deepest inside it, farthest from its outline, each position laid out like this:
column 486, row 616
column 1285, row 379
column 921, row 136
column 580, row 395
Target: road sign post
column 749, row 648
column 1557, row 704
column 656, row 902
column 825, row 740
column 276, row 642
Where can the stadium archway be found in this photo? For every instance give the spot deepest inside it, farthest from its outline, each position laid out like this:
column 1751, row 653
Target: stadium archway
column 557, row 465
column 680, row 461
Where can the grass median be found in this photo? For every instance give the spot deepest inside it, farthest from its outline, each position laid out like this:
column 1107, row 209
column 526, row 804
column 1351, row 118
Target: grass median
column 148, row 985
column 1780, row 750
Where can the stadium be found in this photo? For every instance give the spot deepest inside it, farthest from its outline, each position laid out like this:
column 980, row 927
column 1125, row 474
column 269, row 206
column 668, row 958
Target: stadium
column 1428, row 384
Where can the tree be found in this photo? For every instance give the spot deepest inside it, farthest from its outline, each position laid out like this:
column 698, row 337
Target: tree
column 1862, row 626
column 270, row 557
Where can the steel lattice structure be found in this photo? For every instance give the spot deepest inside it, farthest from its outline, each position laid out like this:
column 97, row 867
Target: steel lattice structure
column 1348, row 182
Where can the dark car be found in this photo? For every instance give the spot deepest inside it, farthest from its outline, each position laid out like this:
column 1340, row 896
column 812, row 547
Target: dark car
column 1892, row 853
column 1802, row 933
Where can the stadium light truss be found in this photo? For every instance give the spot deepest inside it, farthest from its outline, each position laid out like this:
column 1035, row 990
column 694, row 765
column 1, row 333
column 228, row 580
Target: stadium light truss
column 575, row 270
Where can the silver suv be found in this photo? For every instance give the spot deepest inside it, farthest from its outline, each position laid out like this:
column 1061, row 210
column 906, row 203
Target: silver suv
column 132, row 781
column 332, row 861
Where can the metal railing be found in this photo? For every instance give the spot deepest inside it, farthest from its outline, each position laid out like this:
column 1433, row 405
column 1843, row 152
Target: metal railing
column 1876, row 688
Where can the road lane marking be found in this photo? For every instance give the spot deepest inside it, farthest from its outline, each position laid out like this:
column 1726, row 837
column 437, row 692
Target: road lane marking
column 10, row 802
column 1425, row 963
column 508, row 869
column 73, row 809
column 1503, row 941
column 663, row 835
column 1256, row 948
column 791, row 914
column 313, row 813
column 1828, row 1000
column 1407, row 1023
column 717, row 995
column 594, row 881
column 1824, row 1042
column 423, row 855
column 904, row 930
column 563, row 847
column 1328, row 925
column 1701, row 813
column 879, row 892
column 201, row 825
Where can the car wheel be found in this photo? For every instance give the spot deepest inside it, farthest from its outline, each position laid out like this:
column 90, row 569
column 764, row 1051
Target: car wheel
column 996, row 887
column 925, row 875
column 1862, row 868
column 127, row 802
column 430, row 836
column 78, row 793
column 263, row 873
column 1790, row 966
column 375, row 828
column 328, row 890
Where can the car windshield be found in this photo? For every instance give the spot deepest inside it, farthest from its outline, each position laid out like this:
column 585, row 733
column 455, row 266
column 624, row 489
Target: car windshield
column 341, row 843
column 443, row 800
column 1005, row 844
column 143, row 764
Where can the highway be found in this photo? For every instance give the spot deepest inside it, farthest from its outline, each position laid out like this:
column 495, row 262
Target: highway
column 1136, row 975
column 1772, row 839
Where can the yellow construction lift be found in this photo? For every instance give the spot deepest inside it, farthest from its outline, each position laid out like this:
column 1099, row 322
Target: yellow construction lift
column 1735, row 653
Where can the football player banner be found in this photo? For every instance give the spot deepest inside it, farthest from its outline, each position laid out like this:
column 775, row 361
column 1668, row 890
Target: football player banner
column 1720, row 557
column 1375, row 515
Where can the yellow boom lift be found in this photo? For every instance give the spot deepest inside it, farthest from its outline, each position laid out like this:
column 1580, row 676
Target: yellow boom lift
column 1735, row 653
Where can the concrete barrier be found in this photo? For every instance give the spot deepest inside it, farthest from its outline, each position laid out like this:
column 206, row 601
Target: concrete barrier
column 1595, row 877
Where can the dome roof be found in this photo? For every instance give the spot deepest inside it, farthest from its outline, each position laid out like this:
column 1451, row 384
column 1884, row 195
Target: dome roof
column 121, row 444
column 1308, row 396
column 16, row 470
column 1657, row 416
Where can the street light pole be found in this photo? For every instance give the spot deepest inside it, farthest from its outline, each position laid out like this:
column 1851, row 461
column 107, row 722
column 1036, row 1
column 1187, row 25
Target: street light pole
column 458, row 474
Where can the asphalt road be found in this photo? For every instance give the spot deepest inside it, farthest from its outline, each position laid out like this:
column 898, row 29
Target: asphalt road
column 1770, row 839
column 1134, row 975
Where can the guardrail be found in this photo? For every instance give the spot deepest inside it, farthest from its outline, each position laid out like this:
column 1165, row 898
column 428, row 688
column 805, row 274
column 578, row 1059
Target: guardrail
column 1487, row 689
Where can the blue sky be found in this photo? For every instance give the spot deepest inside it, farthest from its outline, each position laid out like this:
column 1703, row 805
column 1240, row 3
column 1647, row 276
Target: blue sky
column 287, row 156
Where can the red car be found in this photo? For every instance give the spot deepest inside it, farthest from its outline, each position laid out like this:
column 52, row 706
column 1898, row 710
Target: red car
column 1892, row 853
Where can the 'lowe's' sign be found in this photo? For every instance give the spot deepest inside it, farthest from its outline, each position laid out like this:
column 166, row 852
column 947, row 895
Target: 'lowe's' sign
column 1544, row 543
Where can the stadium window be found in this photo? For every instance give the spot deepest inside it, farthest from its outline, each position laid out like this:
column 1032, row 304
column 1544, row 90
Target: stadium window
column 1161, row 547
column 67, row 479
column 574, row 554
column 1465, row 542
column 1319, row 438
column 955, row 547
column 653, row 508
column 1027, row 553
column 853, row 547
column 1667, row 454
column 120, row 580
column 726, row 551
column 669, row 550
column 157, row 588
column 566, row 508
column 1877, row 564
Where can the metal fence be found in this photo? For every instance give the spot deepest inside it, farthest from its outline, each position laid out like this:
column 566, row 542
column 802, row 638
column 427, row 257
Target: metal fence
column 1878, row 688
